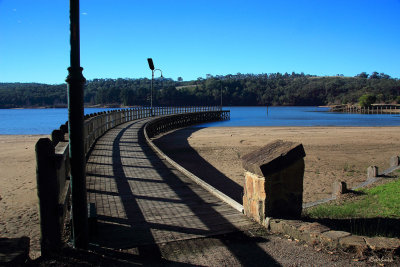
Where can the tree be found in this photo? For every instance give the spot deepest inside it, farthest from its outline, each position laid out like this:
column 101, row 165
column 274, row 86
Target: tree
column 362, row 75
column 367, row 100
column 180, row 79
column 384, row 76
column 374, row 75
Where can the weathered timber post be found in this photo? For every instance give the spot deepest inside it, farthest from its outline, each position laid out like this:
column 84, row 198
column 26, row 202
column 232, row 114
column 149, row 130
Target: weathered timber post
column 48, row 194
column 372, row 172
column 274, row 181
column 394, row 161
column 57, row 136
column 76, row 82
column 339, row 188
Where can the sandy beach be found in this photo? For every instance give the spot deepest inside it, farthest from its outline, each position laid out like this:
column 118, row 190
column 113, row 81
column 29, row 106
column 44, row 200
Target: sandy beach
column 214, row 154
column 333, row 153
column 18, row 196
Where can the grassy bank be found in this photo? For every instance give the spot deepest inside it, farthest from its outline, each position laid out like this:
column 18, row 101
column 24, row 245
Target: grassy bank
column 370, row 211
column 380, row 201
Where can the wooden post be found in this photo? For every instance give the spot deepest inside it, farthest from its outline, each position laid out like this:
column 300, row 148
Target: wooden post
column 48, row 195
column 57, row 136
column 372, row 172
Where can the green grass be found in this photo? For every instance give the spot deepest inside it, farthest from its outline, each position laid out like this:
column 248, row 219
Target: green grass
column 382, row 201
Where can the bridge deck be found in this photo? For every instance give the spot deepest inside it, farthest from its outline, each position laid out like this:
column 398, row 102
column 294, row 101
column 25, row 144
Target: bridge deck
column 141, row 199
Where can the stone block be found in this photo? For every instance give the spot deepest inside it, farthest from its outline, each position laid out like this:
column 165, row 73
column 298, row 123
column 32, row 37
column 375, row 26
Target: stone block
column 311, row 232
column 274, row 178
column 353, row 243
column 273, row 157
column 292, row 228
column 331, row 238
column 249, row 182
column 383, row 243
column 254, row 210
column 245, row 205
column 276, row 226
column 259, row 188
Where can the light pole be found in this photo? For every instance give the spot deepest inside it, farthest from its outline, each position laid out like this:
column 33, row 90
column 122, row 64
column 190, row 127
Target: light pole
column 151, row 66
column 221, row 97
column 76, row 82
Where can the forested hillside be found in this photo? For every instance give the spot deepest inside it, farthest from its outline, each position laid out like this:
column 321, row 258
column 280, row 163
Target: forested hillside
column 239, row 89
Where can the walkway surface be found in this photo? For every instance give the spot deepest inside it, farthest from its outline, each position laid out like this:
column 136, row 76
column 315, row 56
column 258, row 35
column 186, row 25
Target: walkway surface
column 141, row 199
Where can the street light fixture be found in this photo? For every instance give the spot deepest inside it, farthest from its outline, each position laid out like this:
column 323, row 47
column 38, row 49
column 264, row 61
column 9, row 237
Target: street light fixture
column 151, row 66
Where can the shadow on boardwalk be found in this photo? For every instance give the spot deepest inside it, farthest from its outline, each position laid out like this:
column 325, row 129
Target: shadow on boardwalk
column 177, row 147
column 142, row 202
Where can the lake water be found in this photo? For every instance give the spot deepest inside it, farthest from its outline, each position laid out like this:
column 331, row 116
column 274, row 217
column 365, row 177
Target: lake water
column 44, row 121
column 301, row 116
column 35, row 121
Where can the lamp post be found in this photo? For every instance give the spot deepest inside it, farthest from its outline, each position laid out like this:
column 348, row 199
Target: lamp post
column 76, row 82
column 151, row 66
column 221, row 97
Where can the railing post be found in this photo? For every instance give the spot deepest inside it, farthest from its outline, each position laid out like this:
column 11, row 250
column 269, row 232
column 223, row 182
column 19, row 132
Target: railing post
column 48, row 194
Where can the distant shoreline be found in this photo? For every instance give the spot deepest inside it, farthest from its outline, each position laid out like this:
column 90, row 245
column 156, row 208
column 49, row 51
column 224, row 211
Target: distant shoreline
column 66, row 106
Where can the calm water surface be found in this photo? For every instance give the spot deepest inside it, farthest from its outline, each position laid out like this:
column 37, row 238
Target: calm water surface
column 44, row 121
column 35, row 121
column 301, row 116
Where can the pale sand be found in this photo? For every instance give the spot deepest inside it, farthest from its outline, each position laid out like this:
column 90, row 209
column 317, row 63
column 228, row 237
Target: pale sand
column 213, row 153
column 333, row 153
column 18, row 195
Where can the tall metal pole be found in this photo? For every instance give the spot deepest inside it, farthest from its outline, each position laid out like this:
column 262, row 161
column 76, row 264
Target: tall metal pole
column 221, row 97
column 151, row 93
column 76, row 81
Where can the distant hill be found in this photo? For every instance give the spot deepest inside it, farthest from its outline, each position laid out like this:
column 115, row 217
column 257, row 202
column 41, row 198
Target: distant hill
column 240, row 89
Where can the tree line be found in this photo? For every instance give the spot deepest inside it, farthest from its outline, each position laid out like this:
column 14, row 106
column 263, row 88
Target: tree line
column 237, row 90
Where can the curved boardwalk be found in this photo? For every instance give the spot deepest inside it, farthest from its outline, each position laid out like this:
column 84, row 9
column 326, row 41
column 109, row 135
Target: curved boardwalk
column 141, row 199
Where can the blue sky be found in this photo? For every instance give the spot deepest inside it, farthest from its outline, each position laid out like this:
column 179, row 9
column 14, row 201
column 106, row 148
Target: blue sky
column 192, row 38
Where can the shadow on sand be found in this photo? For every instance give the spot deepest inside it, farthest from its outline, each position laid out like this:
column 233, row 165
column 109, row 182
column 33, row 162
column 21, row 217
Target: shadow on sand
column 363, row 226
column 177, row 147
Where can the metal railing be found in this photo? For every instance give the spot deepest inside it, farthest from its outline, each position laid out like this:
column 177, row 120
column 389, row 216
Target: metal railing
column 374, row 109
column 53, row 164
